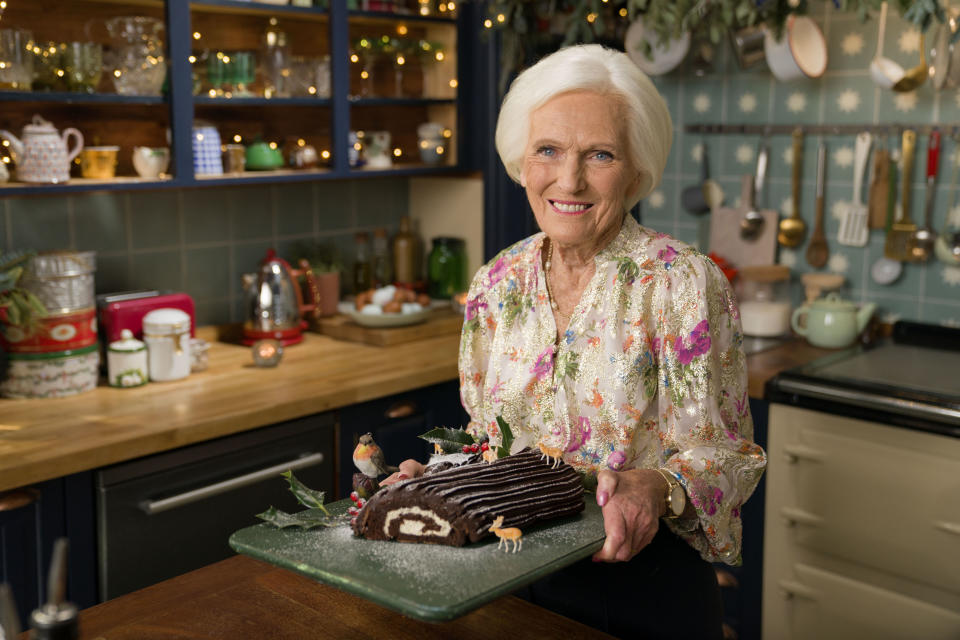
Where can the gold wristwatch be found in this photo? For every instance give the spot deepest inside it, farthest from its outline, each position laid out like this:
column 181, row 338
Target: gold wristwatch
column 676, row 497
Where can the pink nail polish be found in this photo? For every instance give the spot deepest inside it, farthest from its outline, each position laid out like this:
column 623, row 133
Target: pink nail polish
column 402, row 476
column 602, row 498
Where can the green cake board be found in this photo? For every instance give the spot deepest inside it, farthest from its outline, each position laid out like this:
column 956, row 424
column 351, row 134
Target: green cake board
column 429, row 582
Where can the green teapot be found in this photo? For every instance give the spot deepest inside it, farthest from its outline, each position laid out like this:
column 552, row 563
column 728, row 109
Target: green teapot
column 262, row 157
column 831, row 322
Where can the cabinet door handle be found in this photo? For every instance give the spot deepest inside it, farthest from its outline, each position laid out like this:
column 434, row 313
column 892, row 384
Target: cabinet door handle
column 794, row 589
column 949, row 527
column 401, row 409
column 17, row 498
column 795, row 516
column 156, row 506
column 794, row 453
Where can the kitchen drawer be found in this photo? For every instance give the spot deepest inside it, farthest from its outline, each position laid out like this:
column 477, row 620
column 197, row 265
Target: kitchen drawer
column 824, row 605
column 876, row 495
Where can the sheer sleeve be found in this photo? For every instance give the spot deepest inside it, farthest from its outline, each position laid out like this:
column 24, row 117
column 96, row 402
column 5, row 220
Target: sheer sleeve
column 475, row 339
column 705, row 422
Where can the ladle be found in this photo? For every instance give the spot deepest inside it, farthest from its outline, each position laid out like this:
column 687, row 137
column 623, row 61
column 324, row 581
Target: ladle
column 884, row 71
column 947, row 245
column 793, row 229
column 752, row 222
column 916, row 76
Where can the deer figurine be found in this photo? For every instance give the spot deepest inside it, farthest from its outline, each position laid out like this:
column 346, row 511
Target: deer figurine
column 510, row 534
column 437, row 449
column 554, row 453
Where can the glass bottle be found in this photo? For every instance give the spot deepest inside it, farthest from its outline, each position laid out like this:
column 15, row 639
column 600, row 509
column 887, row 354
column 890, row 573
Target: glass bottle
column 361, row 264
column 446, row 268
column 406, row 254
column 382, row 271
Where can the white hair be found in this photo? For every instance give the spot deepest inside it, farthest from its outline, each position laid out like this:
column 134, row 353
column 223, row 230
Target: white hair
column 590, row 67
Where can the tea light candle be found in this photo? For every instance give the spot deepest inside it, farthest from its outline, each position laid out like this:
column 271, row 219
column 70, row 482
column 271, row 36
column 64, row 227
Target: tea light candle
column 267, row 353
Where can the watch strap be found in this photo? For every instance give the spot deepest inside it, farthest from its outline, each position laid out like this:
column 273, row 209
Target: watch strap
column 672, row 482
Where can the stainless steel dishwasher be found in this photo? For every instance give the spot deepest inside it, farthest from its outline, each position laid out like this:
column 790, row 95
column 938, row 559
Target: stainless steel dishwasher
column 166, row 514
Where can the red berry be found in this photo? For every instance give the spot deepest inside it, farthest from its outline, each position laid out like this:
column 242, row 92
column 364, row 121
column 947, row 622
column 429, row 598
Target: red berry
column 466, row 448
column 354, row 496
column 474, row 448
column 353, row 522
column 360, row 503
column 353, row 511
column 484, row 447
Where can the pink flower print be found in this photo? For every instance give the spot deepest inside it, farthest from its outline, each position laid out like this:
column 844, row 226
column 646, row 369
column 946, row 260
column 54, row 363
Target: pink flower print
column 581, row 433
column 667, row 254
column 699, row 341
column 544, row 364
column 498, row 270
column 473, row 307
column 616, row 459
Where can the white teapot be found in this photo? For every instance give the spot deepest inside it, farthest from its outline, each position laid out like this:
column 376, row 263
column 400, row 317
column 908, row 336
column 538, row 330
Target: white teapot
column 43, row 156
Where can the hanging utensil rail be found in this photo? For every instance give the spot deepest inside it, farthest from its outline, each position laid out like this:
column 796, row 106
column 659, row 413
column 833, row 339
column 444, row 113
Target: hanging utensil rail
column 819, row 129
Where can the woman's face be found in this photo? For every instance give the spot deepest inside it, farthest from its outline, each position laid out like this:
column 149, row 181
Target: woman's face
column 577, row 170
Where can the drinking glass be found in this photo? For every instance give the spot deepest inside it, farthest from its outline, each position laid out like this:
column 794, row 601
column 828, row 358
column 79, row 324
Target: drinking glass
column 83, row 66
column 48, row 73
column 16, row 59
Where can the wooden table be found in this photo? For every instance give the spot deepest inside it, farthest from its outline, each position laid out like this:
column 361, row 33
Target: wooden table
column 241, row 598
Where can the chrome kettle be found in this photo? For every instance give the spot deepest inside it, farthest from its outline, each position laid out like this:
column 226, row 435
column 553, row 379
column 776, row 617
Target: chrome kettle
column 274, row 301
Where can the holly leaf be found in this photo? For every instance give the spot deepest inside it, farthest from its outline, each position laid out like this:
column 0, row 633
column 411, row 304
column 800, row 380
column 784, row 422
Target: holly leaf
column 308, row 519
column 506, row 438
column 450, row 440
column 305, row 495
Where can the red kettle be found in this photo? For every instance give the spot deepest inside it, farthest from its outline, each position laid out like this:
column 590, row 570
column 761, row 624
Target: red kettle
column 274, row 301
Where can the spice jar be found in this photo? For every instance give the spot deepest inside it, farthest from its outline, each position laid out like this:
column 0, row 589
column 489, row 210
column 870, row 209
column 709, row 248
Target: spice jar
column 127, row 361
column 167, row 334
column 765, row 302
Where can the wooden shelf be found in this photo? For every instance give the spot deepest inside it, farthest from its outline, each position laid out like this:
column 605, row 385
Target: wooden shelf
column 383, row 17
column 70, row 97
column 261, row 102
column 124, row 183
column 236, row 7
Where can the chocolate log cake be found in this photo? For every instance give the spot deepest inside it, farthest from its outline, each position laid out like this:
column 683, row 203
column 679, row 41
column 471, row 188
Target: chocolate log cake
column 455, row 506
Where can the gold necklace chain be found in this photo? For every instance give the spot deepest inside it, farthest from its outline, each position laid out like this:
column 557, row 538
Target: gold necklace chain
column 546, row 280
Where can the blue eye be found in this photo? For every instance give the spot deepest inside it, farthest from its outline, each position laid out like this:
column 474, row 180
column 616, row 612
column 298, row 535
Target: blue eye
column 603, row 155
column 546, row 151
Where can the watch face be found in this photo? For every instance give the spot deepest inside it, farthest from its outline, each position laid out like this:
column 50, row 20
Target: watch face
column 678, row 500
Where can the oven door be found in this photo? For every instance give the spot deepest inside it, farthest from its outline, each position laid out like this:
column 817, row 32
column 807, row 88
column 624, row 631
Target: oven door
column 163, row 515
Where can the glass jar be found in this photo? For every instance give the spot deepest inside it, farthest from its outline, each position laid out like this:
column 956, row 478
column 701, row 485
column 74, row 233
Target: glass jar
column 765, row 300
column 447, row 268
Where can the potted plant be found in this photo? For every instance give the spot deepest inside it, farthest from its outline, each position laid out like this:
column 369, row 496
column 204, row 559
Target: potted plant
column 326, row 265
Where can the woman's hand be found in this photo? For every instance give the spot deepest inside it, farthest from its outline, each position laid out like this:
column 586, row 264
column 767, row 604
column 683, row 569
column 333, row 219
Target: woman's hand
column 408, row 469
column 632, row 502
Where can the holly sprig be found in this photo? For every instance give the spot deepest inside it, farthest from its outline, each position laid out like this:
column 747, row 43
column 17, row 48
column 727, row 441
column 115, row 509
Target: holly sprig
column 460, row 441
column 315, row 515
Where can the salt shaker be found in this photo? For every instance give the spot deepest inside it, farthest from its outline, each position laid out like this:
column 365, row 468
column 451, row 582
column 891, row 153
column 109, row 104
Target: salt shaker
column 127, row 361
column 167, row 334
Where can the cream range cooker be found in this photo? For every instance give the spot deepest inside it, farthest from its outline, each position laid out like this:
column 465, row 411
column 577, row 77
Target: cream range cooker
column 862, row 511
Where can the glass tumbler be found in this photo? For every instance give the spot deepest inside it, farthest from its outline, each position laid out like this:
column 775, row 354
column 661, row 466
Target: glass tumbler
column 83, row 66
column 16, row 59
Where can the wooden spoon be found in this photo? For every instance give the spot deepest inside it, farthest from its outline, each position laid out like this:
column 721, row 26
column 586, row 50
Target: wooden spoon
column 793, row 229
column 817, row 251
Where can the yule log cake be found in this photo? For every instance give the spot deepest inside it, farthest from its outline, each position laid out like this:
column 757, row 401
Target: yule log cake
column 458, row 505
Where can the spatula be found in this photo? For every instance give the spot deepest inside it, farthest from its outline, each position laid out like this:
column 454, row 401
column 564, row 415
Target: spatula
column 902, row 230
column 879, row 189
column 853, row 223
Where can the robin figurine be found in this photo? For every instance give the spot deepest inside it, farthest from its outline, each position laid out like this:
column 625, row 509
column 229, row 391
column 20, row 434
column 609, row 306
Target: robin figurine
column 368, row 458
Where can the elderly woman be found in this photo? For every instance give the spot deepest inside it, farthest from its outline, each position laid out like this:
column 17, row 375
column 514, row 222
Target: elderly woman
column 616, row 343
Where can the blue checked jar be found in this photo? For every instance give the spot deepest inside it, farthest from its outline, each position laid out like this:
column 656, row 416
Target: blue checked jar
column 207, row 156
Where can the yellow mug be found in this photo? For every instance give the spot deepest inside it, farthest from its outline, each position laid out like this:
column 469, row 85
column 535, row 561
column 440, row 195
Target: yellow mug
column 99, row 162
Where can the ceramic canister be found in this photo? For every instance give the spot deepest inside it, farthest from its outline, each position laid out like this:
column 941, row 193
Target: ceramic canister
column 127, row 361
column 52, row 375
column 167, row 334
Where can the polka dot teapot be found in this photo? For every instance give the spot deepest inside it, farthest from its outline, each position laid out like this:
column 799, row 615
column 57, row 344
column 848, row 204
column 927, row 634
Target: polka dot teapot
column 43, row 155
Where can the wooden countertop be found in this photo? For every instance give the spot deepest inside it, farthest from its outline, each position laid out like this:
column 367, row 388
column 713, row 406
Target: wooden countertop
column 42, row 439
column 244, row 598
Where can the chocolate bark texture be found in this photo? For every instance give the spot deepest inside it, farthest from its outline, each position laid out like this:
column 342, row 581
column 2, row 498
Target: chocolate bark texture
column 457, row 506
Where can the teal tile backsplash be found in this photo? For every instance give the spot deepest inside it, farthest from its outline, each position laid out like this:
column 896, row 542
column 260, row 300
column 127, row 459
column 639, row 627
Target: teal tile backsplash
column 200, row 240
column 845, row 95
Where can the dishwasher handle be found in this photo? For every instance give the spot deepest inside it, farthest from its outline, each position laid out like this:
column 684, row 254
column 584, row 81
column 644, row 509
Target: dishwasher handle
column 152, row 507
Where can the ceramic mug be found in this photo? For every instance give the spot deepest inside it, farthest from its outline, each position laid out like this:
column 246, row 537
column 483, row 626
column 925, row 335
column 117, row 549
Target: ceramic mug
column 151, row 162
column 801, row 52
column 99, row 162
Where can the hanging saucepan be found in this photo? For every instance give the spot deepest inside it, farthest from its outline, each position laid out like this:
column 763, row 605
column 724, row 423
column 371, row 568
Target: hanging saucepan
column 662, row 58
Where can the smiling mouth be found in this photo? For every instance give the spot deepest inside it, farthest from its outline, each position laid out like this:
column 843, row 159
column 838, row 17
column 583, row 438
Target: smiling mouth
column 570, row 207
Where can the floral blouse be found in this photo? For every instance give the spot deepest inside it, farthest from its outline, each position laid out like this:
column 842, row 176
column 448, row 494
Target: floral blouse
column 649, row 373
